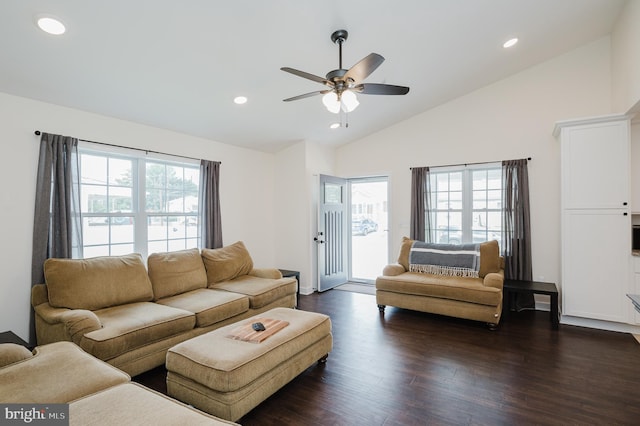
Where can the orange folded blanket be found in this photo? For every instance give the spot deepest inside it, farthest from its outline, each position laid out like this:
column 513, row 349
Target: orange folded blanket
column 247, row 334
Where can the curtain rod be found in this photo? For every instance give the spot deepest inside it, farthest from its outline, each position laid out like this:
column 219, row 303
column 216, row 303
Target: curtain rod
column 38, row 133
column 469, row 164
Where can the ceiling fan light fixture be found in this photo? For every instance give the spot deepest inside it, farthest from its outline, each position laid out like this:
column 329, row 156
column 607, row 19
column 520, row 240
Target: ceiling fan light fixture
column 349, row 101
column 330, row 101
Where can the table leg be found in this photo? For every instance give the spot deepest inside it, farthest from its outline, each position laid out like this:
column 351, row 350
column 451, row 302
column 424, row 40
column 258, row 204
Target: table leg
column 555, row 315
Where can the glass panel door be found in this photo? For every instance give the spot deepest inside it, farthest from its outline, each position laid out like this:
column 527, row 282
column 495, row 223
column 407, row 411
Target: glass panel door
column 369, row 246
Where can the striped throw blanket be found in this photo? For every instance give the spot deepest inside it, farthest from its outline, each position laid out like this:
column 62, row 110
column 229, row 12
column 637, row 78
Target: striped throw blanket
column 456, row 260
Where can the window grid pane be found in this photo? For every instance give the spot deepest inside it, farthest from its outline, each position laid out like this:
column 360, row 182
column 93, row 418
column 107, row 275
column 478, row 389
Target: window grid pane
column 466, row 205
column 167, row 192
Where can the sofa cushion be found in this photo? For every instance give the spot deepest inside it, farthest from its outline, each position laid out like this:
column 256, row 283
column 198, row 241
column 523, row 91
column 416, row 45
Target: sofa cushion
column 226, row 263
column 97, row 282
column 405, row 251
column 130, row 326
column 176, row 272
column 490, row 260
column 209, row 306
column 57, row 373
column 456, row 288
column 132, row 403
column 261, row 291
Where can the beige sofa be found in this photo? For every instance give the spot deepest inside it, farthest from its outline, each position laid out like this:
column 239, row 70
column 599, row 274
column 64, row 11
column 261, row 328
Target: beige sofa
column 120, row 312
column 97, row 393
column 478, row 299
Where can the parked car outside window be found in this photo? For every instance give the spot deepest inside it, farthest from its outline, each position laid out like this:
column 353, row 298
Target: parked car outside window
column 363, row 226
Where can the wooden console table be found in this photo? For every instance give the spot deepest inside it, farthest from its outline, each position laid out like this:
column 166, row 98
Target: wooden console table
column 11, row 337
column 533, row 287
column 288, row 273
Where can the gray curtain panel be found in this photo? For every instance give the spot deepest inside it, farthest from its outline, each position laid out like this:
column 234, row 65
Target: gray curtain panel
column 516, row 226
column 420, row 227
column 209, row 209
column 57, row 226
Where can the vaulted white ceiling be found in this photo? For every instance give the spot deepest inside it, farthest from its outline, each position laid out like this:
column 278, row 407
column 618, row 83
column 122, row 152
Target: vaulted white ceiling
column 179, row 64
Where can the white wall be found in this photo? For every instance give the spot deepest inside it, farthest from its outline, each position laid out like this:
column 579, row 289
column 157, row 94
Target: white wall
column 625, row 41
column 291, row 218
column 510, row 119
column 246, row 188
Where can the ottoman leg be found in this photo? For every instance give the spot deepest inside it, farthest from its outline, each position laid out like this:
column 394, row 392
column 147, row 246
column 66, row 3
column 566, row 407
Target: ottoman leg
column 323, row 360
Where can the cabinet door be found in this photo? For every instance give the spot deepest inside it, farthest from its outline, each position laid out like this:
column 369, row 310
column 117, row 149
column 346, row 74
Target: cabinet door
column 595, row 165
column 596, row 264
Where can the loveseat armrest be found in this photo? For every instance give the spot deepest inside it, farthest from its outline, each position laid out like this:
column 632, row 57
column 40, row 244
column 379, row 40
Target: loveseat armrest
column 39, row 294
column 393, row 270
column 272, row 273
column 76, row 322
column 494, row 279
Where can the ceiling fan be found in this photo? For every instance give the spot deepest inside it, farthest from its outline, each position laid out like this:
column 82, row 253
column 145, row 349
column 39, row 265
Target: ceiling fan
column 342, row 84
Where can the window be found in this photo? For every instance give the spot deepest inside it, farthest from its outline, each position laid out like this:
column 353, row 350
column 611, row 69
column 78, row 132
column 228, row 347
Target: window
column 466, row 204
column 135, row 204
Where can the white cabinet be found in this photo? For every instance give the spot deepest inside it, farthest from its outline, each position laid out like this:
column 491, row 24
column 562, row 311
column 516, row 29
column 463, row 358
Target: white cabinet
column 595, row 264
column 595, row 165
column 596, row 218
column 635, row 315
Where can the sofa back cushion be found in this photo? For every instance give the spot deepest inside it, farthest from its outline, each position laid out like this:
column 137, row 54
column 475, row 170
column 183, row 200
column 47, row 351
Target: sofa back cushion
column 97, row 282
column 226, row 263
column 176, row 272
column 490, row 260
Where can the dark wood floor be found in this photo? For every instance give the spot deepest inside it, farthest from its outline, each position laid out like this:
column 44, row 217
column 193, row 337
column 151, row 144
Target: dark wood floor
column 411, row 368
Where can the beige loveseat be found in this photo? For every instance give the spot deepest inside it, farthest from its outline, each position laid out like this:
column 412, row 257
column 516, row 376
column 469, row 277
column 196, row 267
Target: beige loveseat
column 120, row 312
column 97, row 393
column 478, row 299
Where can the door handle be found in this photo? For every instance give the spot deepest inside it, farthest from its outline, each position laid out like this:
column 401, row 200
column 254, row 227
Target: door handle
column 318, row 241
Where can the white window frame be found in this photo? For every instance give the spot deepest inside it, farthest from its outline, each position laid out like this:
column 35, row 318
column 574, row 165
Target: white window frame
column 464, row 207
column 139, row 214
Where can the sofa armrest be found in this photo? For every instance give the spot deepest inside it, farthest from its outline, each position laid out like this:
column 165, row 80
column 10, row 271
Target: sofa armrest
column 266, row 273
column 393, row 269
column 77, row 322
column 494, row 279
column 11, row 353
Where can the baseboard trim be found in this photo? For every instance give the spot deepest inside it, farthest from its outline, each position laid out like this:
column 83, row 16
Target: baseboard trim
column 599, row 324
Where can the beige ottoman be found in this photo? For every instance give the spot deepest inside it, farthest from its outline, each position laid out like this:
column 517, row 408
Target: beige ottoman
column 227, row 377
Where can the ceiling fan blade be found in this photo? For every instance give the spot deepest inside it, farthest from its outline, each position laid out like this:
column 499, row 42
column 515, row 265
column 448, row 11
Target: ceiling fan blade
column 380, row 89
column 307, row 76
column 364, row 68
column 306, row 95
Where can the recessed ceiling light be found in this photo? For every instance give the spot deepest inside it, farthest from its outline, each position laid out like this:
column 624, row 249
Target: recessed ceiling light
column 240, row 100
column 510, row 43
column 334, row 125
column 51, row 25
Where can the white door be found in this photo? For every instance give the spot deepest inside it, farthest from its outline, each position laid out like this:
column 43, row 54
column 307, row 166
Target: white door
column 332, row 233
